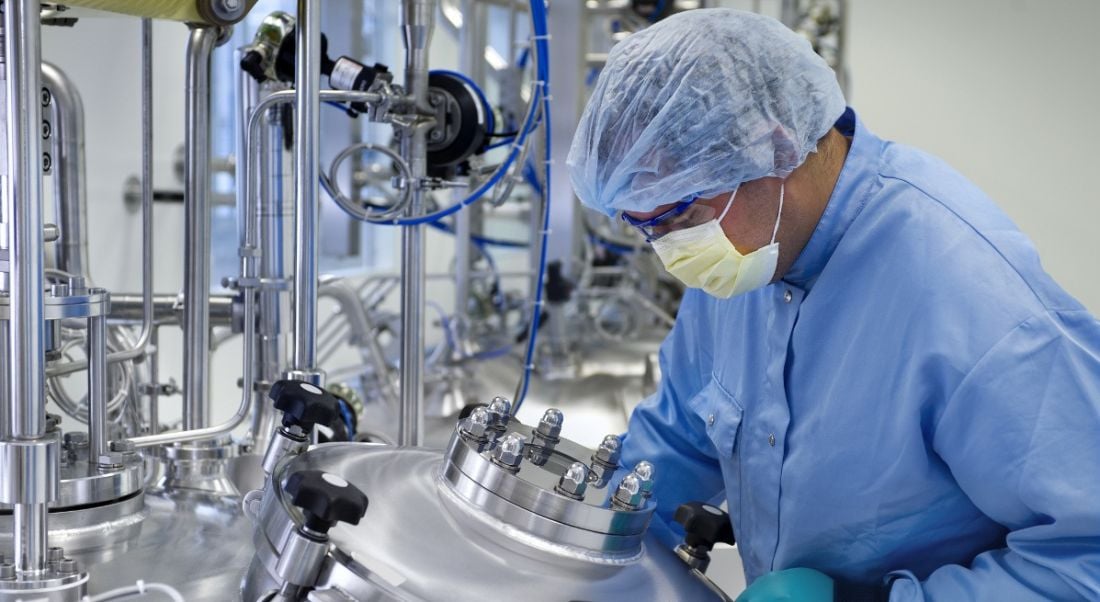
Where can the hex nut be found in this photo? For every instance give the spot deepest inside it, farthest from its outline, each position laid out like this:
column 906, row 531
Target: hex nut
column 549, row 427
column 574, row 481
column 509, row 452
column 75, row 439
column 112, row 460
column 476, row 425
column 68, row 566
column 629, row 495
column 124, row 446
column 600, row 473
column 609, row 451
column 500, row 409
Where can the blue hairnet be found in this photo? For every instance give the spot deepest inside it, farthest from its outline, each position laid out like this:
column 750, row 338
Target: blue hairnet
column 696, row 105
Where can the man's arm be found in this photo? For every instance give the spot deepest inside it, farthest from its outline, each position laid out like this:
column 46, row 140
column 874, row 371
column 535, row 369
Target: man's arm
column 665, row 431
column 1022, row 437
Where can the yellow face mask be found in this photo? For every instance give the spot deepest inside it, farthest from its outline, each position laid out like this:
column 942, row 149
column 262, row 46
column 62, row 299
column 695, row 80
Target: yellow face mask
column 702, row 257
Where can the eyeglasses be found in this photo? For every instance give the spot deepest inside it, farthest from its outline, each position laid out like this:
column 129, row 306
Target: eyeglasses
column 684, row 214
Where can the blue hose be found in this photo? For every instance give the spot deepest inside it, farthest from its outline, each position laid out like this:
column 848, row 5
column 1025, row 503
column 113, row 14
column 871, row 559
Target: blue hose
column 539, row 22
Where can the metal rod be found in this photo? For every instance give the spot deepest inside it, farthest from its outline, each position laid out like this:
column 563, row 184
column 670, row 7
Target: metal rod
column 70, row 197
column 417, row 23
column 167, row 309
column 307, row 106
column 196, row 286
column 23, row 220
column 97, row 388
column 154, row 384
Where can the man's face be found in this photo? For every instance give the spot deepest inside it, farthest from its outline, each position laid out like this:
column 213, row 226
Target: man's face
column 749, row 222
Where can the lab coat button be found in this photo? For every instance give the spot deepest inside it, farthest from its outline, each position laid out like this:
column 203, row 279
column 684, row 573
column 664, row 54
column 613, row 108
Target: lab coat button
column 710, row 420
column 771, row 439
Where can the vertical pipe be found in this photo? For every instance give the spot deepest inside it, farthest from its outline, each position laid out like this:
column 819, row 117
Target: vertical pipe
column 307, row 84
column 97, row 387
column 471, row 62
column 23, row 220
column 70, row 197
column 417, row 22
column 6, row 368
column 154, row 382
column 196, row 286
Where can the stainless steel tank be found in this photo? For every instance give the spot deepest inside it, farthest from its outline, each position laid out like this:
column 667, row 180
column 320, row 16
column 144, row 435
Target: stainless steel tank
column 507, row 511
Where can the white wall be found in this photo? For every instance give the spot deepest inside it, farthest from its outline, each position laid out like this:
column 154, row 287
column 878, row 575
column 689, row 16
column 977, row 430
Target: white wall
column 1007, row 91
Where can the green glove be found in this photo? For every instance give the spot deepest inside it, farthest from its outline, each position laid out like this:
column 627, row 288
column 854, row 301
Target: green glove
column 791, row 585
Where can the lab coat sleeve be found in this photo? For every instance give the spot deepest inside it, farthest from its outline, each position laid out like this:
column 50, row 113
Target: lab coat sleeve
column 665, row 431
column 1021, row 435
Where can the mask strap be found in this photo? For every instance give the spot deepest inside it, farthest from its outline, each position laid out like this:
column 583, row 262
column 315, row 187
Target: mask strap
column 729, row 204
column 780, row 213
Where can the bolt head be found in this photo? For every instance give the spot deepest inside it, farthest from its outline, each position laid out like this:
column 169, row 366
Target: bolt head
column 609, row 450
column 574, row 481
column 509, row 452
column 629, row 495
column 112, row 460
column 55, row 555
column 124, row 446
column 645, row 472
column 68, row 566
column 7, row 571
column 76, row 439
column 500, row 408
column 550, row 425
column 477, row 424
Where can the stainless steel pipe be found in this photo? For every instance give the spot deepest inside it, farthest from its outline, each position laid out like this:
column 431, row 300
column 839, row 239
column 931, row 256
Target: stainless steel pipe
column 97, row 388
column 70, row 185
column 307, row 106
column 23, row 220
column 417, row 24
column 168, row 309
column 196, row 286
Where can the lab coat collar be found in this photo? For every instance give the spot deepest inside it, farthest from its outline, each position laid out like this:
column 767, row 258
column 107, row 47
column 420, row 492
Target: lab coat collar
column 857, row 179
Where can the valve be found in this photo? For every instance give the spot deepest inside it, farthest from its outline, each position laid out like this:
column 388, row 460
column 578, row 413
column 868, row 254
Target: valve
column 704, row 526
column 325, row 499
column 304, row 405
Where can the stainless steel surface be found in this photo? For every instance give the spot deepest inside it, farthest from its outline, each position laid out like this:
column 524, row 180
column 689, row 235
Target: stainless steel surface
column 83, row 303
column 420, row 542
column 168, row 309
column 417, row 24
column 307, row 131
column 84, row 484
column 196, row 287
column 70, row 184
column 97, row 386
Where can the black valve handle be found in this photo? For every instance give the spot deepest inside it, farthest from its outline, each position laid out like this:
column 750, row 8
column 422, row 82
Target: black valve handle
column 325, row 499
column 704, row 525
column 303, row 404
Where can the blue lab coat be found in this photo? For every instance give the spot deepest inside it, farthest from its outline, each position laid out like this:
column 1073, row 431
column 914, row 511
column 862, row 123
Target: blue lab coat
column 917, row 399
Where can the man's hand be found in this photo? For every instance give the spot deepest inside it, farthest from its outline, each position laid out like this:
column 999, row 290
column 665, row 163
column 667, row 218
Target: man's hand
column 808, row 585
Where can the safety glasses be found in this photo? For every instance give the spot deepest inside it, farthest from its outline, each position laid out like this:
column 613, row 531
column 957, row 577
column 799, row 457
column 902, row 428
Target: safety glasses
column 684, row 214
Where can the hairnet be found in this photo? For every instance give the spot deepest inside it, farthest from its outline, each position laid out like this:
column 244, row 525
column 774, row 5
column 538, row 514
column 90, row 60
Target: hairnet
column 696, row 105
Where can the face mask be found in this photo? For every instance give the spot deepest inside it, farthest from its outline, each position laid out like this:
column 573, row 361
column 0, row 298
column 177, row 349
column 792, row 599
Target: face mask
column 702, row 257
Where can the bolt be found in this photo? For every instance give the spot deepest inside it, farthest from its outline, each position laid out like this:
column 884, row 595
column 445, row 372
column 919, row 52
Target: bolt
column 500, row 409
column 476, row 424
column 77, row 283
column 629, row 495
column 645, row 472
column 55, row 554
column 509, row 453
column 231, row 5
column 68, row 566
column 124, row 446
column 436, row 135
column 609, row 450
column 549, row 427
column 575, row 480
column 47, row 98
column 7, row 571
column 47, row 162
column 112, row 460
column 47, row 129
column 59, row 290
column 76, row 439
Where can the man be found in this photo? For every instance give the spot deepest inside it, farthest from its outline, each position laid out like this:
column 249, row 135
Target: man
column 870, row 366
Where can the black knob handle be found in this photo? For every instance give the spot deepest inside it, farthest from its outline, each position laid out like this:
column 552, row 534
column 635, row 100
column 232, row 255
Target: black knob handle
column 303, row 404
column 704, row 525
column 325, row 499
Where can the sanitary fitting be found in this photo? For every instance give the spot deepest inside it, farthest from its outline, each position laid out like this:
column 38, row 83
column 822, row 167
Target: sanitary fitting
column 509, row 453
column 574, row 482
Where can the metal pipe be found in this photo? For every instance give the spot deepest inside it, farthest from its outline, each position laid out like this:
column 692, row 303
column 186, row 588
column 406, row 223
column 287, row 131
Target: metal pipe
column 153, row 390
column 417, row 23
column 97, row 388
column 23, row 221
column 307, row 106
column 167, row 309
column 196, row 286
column 70, row 186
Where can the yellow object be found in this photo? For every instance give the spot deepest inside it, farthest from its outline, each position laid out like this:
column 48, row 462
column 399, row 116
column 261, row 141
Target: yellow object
column 194, row 11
